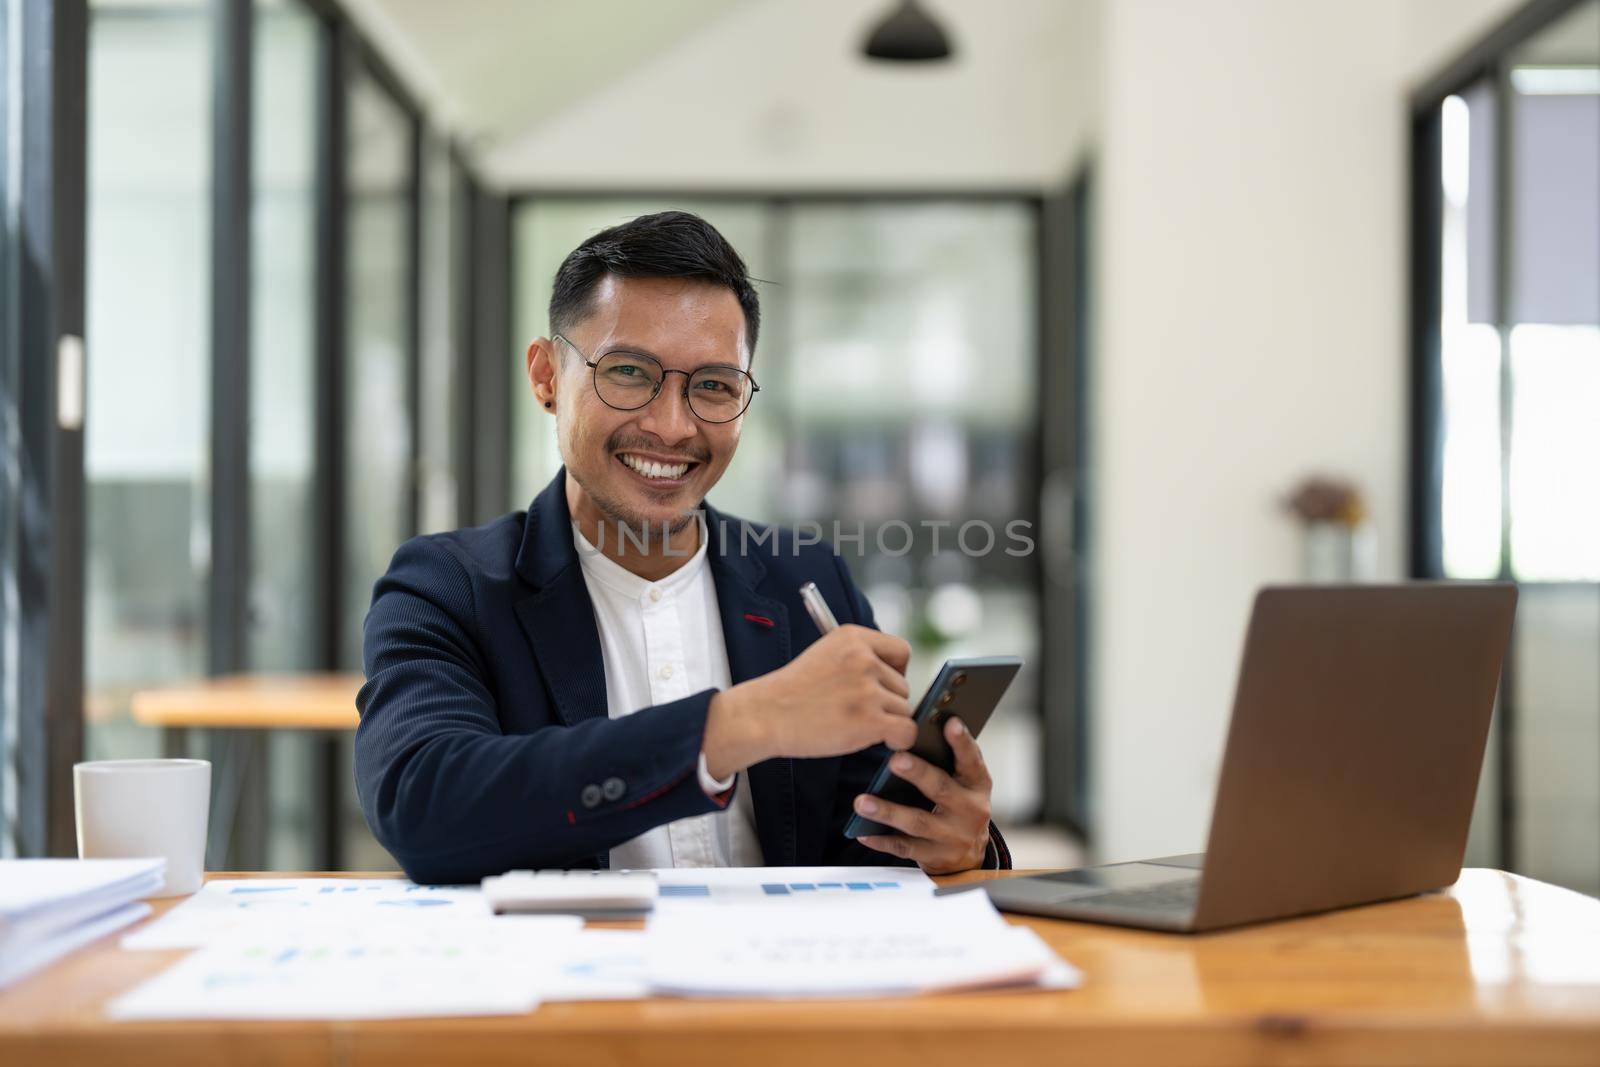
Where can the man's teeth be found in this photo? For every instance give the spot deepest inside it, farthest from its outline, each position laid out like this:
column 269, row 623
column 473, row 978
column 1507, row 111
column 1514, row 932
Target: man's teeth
column 655, row 470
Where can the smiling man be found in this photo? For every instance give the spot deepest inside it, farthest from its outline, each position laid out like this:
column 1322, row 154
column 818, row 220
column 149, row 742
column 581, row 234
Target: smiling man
column 621, row 675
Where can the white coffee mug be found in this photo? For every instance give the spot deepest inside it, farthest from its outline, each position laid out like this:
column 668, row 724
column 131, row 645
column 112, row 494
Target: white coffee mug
column 132, row 808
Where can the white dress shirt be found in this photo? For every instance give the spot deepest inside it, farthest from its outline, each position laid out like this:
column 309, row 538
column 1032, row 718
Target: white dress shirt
column 662, row 641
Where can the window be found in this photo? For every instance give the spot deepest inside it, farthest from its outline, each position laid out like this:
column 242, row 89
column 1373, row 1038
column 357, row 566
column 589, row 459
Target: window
column 378, row 345
column 444, row 371
column 283, row 624
column 147, row 444
column 1508, row 381
column 283, row 344
column 10, row 472
column 167, row 593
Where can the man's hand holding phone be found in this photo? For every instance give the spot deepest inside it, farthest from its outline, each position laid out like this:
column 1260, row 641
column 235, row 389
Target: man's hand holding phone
column 954, row 836
column 844, row 693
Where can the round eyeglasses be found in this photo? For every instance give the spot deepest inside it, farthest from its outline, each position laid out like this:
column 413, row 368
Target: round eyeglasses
column 627, row 381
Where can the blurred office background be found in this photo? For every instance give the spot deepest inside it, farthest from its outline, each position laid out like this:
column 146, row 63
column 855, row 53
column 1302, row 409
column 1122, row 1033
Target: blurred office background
column 1128, row 271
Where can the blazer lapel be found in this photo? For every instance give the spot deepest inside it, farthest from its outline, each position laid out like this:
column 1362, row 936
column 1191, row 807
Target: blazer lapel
column 557, row 615
column 755, row 629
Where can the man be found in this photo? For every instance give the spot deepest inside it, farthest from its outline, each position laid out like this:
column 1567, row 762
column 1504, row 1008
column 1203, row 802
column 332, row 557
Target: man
column 623, row 676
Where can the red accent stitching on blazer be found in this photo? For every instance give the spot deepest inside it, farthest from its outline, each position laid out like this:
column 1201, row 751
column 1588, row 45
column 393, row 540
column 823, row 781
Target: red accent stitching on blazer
column 759, row 620
column 669, row 787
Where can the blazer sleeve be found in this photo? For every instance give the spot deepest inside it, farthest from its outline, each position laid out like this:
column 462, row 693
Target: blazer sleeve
column 856, row 771
column 454, row 798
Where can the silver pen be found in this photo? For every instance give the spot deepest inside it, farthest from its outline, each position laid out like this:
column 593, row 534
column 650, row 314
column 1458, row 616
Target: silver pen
column 817, row 608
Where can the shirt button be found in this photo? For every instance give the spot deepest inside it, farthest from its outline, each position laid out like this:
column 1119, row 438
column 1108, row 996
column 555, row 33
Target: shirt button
column 655, row 595
column 613, row 788
column 665, row 671
column 591, row 796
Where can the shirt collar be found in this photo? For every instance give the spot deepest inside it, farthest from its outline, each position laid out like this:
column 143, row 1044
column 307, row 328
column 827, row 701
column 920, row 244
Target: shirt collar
column 613, row 575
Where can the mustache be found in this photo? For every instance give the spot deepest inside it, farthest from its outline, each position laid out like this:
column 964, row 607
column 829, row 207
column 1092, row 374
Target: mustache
column 641, row 444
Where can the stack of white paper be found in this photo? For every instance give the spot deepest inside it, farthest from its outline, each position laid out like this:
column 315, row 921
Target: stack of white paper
column 610, row 964
column 50, row 907
column 385, row 948
column 368, row 971
column 341, row 948
column 924, row 945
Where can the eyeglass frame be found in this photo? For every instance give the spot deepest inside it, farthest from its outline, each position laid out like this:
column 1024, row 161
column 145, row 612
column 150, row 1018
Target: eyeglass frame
column 688, row 376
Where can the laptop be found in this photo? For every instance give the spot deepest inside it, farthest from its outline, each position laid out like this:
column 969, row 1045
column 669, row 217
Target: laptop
column 1350, row 770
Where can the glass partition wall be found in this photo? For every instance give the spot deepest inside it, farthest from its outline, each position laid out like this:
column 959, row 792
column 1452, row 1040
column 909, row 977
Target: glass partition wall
column 335, row 299
column 1508, row 386
column 898, row 347
column 10, row 473
column 379, row 388
column 288, row 49
column 147, row 422
column 378, row 305
column 43, row 83
column 444, row 369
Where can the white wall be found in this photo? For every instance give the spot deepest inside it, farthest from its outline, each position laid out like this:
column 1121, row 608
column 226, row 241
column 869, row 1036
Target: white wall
column 1252, row 326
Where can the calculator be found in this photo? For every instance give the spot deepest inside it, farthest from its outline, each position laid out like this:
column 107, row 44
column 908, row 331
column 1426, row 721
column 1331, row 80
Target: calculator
column 592, row 894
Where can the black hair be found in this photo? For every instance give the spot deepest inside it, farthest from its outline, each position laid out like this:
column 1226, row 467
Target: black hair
column 668, row 244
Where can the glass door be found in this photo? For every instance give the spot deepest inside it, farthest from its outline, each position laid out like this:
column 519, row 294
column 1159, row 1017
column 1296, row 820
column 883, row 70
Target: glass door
column 284, row 620
column 379, row 389
column 1510, row 380
column 147, row 461
column 10, row 473
column 1550, row 381
column 287, row 45
column 378, row 303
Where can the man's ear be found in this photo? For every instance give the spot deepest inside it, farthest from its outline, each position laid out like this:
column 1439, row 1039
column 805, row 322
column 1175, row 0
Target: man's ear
column 542, row 364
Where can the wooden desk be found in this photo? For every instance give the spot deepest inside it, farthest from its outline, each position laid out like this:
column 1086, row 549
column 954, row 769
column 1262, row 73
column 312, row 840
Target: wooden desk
column 322, row 701
column 253, row 702
column 1498, row 970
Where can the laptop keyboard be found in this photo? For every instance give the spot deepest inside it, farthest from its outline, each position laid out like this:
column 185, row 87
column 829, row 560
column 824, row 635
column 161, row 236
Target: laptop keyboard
column 1166, row 897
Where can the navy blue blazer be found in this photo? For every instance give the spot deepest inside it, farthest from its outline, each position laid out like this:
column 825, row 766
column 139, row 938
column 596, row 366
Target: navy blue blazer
column 485, row 743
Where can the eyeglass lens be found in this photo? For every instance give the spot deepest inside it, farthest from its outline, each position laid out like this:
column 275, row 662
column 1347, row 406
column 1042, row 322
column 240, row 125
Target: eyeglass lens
column 627, row 381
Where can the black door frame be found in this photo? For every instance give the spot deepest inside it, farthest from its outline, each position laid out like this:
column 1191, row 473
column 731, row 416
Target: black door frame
column 51, row 375
column 1065, row 471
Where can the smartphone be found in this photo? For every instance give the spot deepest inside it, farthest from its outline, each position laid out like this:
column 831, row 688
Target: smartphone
column 968, row 689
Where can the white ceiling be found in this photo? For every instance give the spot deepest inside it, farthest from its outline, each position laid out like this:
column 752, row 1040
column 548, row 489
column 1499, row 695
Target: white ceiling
column 747, row 93
column 496, row 67
column 1574, row 38
column 774, row 94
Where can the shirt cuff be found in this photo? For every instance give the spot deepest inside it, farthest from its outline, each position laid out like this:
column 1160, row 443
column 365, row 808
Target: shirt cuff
column 712, row 787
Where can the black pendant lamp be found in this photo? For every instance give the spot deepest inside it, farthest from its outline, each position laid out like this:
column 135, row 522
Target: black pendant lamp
column 908, row 34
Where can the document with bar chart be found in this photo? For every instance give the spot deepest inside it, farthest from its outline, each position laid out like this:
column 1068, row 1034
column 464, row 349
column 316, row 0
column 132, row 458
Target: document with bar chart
column 231, row 907
column 691, row 886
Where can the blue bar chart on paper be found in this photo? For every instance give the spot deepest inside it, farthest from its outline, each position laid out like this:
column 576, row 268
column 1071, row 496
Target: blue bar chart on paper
column 685, row 885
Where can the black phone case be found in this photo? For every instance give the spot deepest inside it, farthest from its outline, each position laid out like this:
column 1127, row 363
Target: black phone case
column 983, row 680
